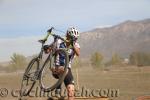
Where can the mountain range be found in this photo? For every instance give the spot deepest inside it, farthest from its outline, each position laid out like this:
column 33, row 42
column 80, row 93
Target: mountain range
column 122, row 39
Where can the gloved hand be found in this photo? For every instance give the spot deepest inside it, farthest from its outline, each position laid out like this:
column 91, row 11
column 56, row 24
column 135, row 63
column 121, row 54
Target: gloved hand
column 73, row 40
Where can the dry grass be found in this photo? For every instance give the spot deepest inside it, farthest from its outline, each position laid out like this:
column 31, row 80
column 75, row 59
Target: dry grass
column 131, row 81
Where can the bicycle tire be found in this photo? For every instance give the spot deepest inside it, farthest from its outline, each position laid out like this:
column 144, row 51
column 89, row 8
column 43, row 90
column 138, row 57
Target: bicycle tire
column 26, row 78
column 60, row 80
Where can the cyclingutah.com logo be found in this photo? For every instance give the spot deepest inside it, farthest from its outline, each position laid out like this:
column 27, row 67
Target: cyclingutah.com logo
column 82, row 92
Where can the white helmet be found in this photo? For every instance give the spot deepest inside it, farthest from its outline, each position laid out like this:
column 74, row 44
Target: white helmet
column 73, row 32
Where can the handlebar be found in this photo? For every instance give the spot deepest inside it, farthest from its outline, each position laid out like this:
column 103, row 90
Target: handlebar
column 49, row 32
column 57, row 36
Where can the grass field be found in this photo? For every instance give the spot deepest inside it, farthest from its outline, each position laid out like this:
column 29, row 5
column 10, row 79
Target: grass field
column 131, row 81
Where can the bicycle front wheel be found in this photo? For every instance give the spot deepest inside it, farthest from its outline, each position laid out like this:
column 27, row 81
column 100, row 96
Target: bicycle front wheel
column 47, row 80
column 29, row 77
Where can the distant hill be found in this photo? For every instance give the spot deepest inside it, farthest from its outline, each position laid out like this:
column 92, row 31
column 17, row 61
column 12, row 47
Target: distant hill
column 122, row 39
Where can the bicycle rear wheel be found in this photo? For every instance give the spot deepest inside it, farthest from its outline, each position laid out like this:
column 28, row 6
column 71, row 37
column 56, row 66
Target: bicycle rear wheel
column 29, row 77
column 47, row 81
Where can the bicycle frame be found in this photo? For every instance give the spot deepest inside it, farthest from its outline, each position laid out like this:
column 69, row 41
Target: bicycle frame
column 54, row 48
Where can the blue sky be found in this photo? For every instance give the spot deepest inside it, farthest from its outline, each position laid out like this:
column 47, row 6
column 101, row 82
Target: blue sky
column 23, row 19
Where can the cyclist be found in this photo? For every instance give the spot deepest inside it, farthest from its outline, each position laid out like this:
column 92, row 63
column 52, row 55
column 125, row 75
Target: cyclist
column 72, row 36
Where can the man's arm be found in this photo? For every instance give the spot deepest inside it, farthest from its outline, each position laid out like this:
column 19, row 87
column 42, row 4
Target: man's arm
column 77, row 50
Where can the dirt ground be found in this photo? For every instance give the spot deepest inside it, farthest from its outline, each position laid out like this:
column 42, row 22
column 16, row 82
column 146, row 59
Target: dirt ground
column 130, row 81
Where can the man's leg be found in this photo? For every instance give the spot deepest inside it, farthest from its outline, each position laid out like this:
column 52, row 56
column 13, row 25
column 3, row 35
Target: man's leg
column 70, row 91
column 69, row 83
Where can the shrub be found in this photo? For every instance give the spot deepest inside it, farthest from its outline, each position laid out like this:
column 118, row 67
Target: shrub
column 18, row 61
column 115, row 60
column 140, row 59
column 96, row 59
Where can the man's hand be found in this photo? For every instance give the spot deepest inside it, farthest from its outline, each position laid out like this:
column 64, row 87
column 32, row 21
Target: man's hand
column 73, row 40
column 58, row 70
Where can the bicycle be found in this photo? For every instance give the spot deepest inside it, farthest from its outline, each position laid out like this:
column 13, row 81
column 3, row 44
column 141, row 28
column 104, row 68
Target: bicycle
column 36, row 71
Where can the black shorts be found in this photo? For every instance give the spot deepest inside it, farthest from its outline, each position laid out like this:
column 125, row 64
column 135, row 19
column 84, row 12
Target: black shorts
column 68, row 79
